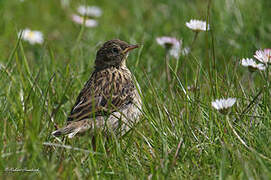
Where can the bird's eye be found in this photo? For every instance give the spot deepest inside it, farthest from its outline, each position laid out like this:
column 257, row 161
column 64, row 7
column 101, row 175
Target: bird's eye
column 115, row 50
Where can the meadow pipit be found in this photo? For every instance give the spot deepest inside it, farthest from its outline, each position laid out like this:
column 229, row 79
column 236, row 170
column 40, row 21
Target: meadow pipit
column 109, row 100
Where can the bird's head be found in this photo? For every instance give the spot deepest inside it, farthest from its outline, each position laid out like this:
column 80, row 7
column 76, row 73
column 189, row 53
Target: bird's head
column 113, row 53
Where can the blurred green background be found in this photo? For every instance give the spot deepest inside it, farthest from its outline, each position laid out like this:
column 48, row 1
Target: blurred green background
column 39, row 84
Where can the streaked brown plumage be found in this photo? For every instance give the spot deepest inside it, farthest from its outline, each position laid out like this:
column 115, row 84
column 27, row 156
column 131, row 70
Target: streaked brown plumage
column 109, row 99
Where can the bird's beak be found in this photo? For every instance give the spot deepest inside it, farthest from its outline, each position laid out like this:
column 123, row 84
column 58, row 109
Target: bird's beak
column 129, row 48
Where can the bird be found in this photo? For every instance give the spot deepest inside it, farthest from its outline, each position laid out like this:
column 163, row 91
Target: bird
column 110, row 100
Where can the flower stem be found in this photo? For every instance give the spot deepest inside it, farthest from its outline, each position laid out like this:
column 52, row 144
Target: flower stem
column 194, row 40
column 167, row 66
column 250, row 81
column 170, row 83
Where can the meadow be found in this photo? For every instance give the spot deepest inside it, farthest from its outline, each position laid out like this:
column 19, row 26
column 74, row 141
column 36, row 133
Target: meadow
column 180, row 135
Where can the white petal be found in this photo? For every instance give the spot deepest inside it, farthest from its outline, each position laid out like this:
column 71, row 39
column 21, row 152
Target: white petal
column 87, row 22
column 93, row 11
column 32, row 37
column 214, row 104
column 197, row 25
column 223, row 103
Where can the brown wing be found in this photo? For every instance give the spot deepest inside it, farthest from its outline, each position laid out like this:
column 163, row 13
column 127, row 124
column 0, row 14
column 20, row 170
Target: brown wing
column 105, row 92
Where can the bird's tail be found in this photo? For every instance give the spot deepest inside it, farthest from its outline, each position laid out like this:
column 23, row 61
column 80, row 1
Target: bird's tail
column 73, row 128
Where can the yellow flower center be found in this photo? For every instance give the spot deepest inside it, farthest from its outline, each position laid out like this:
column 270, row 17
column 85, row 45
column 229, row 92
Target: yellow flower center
column 31, row 34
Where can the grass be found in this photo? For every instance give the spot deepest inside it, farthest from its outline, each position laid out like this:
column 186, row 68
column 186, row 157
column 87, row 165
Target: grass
column 180, row 135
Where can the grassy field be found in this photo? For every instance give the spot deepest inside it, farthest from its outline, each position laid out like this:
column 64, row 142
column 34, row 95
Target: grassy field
column 180, row 135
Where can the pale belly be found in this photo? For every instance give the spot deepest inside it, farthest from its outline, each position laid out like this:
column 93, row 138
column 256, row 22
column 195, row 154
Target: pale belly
column 121, row 121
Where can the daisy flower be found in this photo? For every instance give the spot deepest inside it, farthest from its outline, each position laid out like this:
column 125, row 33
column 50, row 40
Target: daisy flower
column 223, row 105
column 92, row 11
column 84, row 21
column 252, row 65
column 33, row 37
column 170, row 43
column 197, row 25
column 264, row 56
